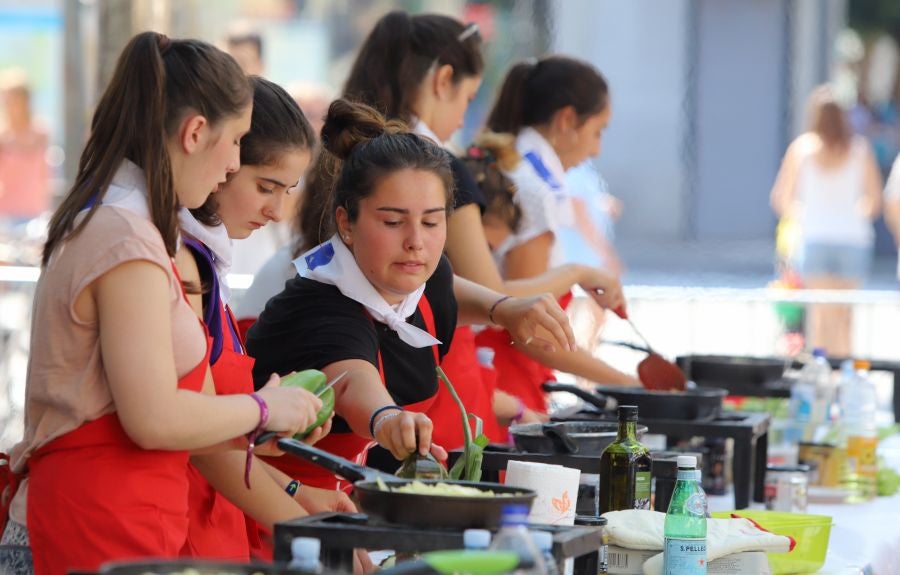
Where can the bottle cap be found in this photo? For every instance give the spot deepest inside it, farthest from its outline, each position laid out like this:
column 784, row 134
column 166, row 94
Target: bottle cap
column 476, row 538
column 590, row 520
column 861, row 364
column 305, row 547
column 819, row 352
column 514, row 514
column 543, row 540
column 686, row 462
column 628, row 413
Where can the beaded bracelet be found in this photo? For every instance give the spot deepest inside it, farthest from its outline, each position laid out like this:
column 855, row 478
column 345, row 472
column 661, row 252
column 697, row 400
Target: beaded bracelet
column 520, row 411
column 378, row 412
column 494, row 306
column 251, row 437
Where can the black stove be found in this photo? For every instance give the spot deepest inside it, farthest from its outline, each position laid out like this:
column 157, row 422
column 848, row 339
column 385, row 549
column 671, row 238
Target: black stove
column 340, row 533
column 750, row 432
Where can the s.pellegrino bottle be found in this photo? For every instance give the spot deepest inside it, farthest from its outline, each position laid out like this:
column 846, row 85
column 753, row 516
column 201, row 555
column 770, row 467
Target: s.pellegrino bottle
column 685, row 527
column 625, row 467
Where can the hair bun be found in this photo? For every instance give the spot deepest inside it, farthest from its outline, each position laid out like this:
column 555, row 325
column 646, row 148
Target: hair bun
column 349, row 124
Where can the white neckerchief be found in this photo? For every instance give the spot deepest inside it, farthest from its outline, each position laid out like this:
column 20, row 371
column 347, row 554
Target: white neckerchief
column 530, row 140
column 217, row 240
column 420, row 128
column 332, row 263
column 128, row 190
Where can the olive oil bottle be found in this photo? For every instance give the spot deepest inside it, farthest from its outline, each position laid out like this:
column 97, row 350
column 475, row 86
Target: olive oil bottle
column 625, row 467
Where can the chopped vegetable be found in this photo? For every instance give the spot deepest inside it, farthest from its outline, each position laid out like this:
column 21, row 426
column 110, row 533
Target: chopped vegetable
column 451, row 489
column 467, row 467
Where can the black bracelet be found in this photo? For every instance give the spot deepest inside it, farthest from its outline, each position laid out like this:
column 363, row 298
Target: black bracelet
column 292, row 487
column 494, row 306
column 376, row 413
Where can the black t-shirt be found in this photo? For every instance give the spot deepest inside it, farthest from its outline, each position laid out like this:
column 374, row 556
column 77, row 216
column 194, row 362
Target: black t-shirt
column 310, row 325
column 467, row 190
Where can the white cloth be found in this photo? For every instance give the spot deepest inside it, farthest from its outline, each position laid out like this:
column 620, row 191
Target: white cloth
column 217, row 240
column 420, row 128
column 332, row 263
column 268, row 282
column 546, row 206
column 642, row 529
column 128, row 190
column 829, row 200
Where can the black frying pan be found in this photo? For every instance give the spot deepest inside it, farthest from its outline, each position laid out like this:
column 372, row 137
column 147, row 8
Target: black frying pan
column 569, row 437
column 200, row 567
column 414, row 509
column 725, row 369
column 698, row 403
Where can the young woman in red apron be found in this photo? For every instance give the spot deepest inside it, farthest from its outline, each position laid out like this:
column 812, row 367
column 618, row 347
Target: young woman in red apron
column 274, row 156
column 111, row 400
column 362, row 301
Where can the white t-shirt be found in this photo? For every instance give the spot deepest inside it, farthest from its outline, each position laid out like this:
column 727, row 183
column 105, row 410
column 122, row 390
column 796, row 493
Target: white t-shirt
column 542, row 197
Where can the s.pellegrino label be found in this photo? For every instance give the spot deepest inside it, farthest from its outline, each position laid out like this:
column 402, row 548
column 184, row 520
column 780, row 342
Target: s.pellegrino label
column 685, row 556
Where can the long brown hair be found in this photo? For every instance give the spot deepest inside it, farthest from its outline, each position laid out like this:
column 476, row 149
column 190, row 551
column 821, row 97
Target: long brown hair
column 828, row 120
column 156, row 80
column 400, row 51
column 534, row 91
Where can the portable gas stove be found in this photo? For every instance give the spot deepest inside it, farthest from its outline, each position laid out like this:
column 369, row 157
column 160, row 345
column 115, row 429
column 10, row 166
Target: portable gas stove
column 340, row 533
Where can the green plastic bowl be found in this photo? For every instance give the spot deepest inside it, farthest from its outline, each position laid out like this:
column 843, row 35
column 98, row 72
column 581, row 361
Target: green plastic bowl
column 811, row 533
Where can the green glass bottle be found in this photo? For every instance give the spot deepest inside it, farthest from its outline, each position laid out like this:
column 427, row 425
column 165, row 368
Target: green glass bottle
column 625, row 467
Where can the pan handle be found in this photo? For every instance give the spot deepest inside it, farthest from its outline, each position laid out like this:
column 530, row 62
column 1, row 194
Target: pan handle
column 597, row 400
column 628, row 344
column 343, row 467
column 556, row 432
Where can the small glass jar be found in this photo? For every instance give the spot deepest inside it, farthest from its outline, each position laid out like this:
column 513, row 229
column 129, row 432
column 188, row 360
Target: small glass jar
column 603, row 550
column 787, row 487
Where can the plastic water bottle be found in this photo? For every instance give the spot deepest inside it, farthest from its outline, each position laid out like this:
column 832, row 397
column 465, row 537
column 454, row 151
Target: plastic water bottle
column 811, row 398
column 685, row 526
column 476, row 539
column 858, row 434
column 305, row 555
column 544, row 542
column 514, row 536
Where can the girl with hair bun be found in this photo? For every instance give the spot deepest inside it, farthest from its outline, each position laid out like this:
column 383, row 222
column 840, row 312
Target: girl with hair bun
column 379, row 299
column 113, row 395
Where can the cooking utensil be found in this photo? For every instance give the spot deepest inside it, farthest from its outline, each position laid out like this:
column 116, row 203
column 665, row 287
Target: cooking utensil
column 654, row 371
column 724, row 369
column 197, row 566
column 588, row 437
column 698, row 403
column 414, row 509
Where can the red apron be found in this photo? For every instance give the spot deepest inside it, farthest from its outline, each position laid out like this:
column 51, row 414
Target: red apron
column 95, row 496
column 349, row 445
column 217, row 528
column 518, row 374
column 474, row 385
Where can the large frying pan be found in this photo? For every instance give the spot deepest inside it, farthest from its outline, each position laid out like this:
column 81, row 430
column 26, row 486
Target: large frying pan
column 725, row 369
column 702, row 403
column 414, row 509
column 569, row 437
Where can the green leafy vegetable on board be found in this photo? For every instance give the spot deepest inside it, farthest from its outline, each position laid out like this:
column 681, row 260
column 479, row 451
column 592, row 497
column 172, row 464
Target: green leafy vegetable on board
column 467, row 467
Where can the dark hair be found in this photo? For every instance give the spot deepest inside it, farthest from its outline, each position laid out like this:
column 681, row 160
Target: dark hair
column 534, row 91
column 827, row 119
column 155, row 81
column 313, row 224
column 278, row 125
column 398, row 53
column 360, row 148
column 487, row 159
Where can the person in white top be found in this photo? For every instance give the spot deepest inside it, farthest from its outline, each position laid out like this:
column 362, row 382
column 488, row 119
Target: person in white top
column 830, row 186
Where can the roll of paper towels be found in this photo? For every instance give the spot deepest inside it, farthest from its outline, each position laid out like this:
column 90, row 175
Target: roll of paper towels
column 556, row 487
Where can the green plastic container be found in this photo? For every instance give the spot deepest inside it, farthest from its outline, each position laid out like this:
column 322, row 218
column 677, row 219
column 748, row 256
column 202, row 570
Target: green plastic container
column 811, row 532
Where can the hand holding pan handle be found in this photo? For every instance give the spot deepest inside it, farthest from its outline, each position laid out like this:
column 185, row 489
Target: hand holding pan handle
column 343, row 467
column 595, row 399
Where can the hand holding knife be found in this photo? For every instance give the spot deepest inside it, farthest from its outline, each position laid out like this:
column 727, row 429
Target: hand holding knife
column 264, row 437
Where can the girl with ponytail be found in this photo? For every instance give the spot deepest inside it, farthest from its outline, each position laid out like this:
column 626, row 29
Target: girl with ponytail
column 119, row 359
column 378, row 299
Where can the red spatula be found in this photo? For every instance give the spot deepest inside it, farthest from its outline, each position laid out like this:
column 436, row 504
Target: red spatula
column 655, row 371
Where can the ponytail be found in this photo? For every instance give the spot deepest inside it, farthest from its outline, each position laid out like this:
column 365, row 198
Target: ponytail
column 532, row 93
column 155, row 81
